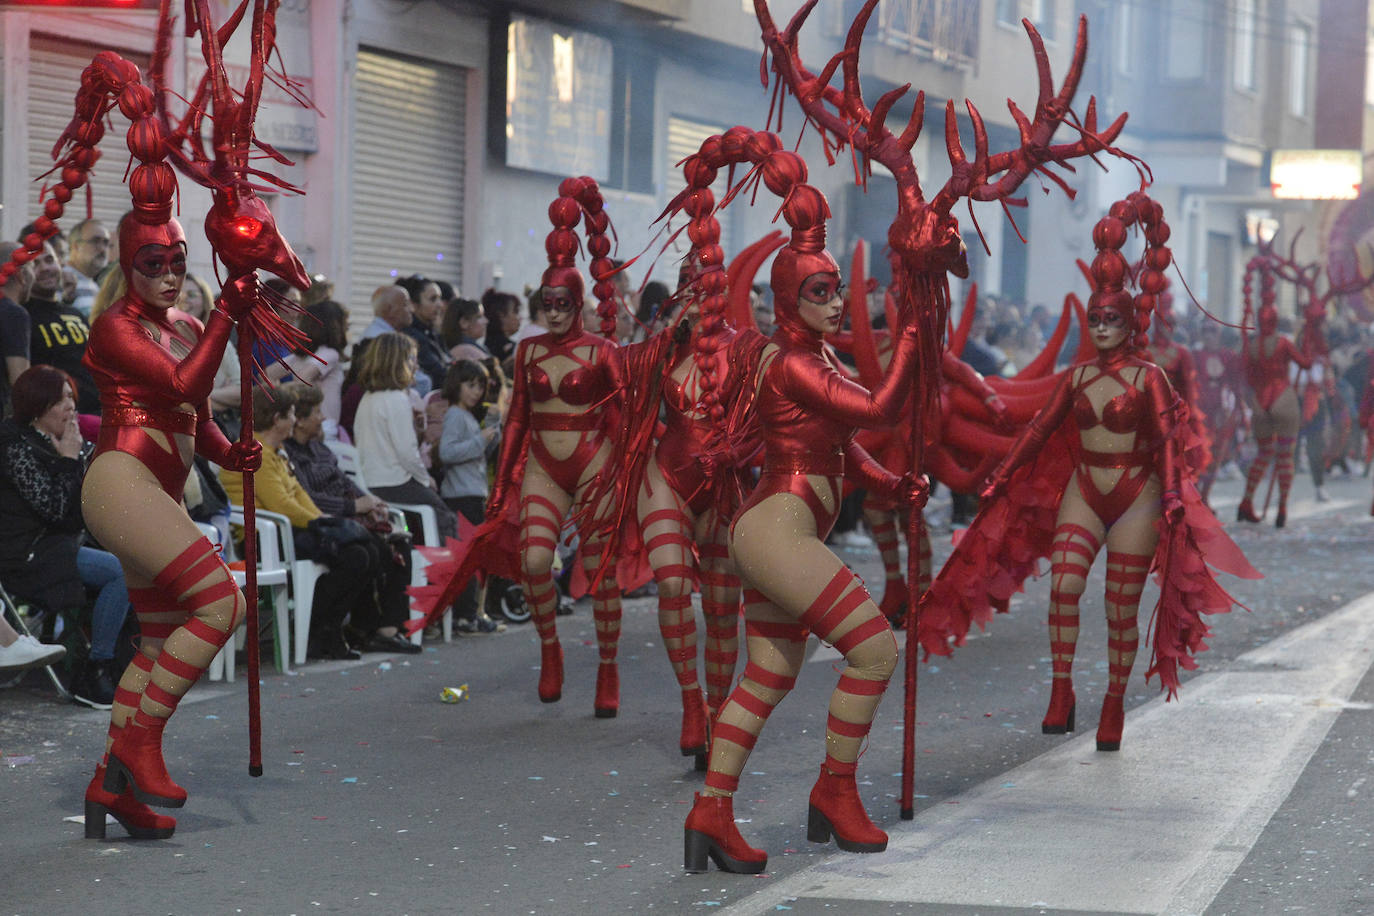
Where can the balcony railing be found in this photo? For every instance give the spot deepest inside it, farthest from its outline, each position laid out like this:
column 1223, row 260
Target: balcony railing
column 945, row 31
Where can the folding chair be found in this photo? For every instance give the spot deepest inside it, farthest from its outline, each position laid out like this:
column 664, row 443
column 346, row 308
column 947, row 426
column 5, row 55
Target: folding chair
column 8, row 606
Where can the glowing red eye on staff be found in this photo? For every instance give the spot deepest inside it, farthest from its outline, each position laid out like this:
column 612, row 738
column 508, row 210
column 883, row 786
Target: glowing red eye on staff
column 248, row 228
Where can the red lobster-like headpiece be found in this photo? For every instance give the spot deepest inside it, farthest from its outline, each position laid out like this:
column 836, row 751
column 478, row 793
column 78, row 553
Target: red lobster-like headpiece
column 579, row 200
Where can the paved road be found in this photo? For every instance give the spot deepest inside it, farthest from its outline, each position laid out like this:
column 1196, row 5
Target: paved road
column 1249, row 795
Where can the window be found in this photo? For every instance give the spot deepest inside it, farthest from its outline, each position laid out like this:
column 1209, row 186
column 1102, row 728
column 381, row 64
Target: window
column 1043, row 15
column 1243, row 62
column 1009, row 12
column 1299, row 49
column 1185, row 48
column 1125, row 33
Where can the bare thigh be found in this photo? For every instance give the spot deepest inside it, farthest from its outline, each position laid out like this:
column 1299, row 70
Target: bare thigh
column 134, row 518
column 776, row 550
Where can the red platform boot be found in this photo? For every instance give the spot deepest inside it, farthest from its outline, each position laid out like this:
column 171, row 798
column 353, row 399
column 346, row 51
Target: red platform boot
column 142, row 822
column 692, row 742
column 1110, row 725
column 135, row 762
column 837, row 810
column 1245, row 512
column 710, row 831
column 1059, row 717
column 550, row 672
column 607, row 690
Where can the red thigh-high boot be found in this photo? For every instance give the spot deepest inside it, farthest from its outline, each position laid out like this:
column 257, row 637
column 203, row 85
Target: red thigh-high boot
column 205, row 589
column 710, row 830
column 1284, row 449
column 844, row 616
column 1071, row 557
column 670, row 554
column 1126, row 573
column 606, row 613
column 538, row 540
column 1245, row 512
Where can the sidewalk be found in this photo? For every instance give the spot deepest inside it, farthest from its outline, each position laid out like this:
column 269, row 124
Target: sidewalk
column 1157, row 828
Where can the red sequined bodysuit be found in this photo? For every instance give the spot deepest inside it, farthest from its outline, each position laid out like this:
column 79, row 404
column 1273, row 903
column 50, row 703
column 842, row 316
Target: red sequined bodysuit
column 155, row 368
column 1145, row 407
column 1268, row 375
column 808, row 411
column 684, row 439
column 589, row 386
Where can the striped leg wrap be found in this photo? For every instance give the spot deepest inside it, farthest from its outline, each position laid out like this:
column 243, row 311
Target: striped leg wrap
column 1072, row 556
column 1284, row 451
column 1126, row 574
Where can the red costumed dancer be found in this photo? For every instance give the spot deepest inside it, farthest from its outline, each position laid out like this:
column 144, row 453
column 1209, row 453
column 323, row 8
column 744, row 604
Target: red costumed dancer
column 154, row 366
column 1277, row 414
column 807, row 412
column 562, row 408
column 1100, row 465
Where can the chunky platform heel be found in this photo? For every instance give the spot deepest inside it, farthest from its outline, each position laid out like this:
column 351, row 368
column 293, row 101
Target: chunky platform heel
column 1110, row 726
column 1059, row 718
column 607, row 690
column 550, row 672
column 837, row 811
column 141, row 822
column 710, row 833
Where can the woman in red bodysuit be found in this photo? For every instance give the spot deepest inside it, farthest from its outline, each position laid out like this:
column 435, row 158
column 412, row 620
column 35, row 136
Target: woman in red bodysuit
column 1277, row 413
column 560, row 412
column 807, row 412
column 1100, row 465
column 155, row 366
column 684, row 518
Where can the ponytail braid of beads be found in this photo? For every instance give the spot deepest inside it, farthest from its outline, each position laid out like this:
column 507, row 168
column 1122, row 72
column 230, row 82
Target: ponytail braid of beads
column 579, row 200
column 1111, row 272
column 108, row 81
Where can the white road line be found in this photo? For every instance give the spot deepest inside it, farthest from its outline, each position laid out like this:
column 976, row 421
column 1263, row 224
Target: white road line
column 1156, row 828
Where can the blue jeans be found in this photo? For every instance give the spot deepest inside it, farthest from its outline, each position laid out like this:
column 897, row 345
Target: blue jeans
column 99, row 569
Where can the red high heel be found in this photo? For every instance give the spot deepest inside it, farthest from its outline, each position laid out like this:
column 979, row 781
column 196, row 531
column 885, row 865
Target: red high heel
column 710, row 831
column 1110, row 725
column 142, row 822
column 693, row 739
column 1245, row 512
column 837, row 810
column 135, row 763
column 1063, row 704
column 550, row 672
column 894, row 602
column 607, row 690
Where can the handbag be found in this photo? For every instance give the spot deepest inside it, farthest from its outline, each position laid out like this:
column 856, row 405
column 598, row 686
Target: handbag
column 324, row 537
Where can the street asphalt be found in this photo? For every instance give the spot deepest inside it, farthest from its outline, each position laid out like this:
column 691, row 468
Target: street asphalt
column 1248, row 794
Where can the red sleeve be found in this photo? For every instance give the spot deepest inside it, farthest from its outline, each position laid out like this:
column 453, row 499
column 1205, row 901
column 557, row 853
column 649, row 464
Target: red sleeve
column 127, row 351
column 1163, row 410
column 868, row 473
column 1040, row 428
column 819, row 386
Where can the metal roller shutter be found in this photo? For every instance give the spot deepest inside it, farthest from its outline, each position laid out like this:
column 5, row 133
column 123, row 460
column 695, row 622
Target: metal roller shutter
column 55, row 76
column 684, row 139
column 408, row 161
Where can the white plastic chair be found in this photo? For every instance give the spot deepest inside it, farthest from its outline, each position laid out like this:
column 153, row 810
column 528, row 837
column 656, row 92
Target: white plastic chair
column 304, row 575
